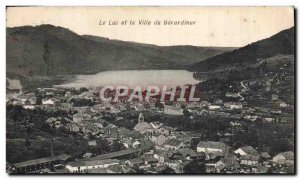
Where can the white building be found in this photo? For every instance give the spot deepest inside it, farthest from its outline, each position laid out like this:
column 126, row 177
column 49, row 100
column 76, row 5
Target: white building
column 47, row 102
column 214, row 107
column 249, row 160
column 173, row 110
column 284, row 158
column 231, row 95
column 83, row 165
column 245, row 151
column 217, row 148
column 283, row 104
column 233, row 105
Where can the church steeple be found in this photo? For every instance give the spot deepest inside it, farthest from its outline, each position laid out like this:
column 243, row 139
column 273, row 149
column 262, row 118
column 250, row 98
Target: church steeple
column 141, row 117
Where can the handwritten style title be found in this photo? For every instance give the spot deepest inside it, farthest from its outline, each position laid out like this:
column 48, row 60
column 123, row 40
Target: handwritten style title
column 147, row 22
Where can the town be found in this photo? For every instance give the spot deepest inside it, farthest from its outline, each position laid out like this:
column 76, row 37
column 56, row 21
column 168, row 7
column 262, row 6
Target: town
column 245, row 126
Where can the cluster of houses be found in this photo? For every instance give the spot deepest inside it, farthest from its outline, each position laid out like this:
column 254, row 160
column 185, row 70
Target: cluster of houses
column 243, row 160
column 151, row 147
column 217, row 157
column 166, row 149
column 53, row 99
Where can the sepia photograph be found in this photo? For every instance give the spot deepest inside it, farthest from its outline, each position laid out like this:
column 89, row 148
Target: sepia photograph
column 157, row 90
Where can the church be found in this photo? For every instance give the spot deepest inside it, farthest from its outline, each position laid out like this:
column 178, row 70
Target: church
column 144, row 127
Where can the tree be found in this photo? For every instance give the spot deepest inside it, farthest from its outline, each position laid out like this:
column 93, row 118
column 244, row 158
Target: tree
column 116, row 146
column 83, row 89
column 82, row 102
column 16, row 114
column 38, row 99
column 158, row 105
column 27, row 142
column 196, row 166
column 28, row 130
column 102, row 147
column 46, row 57
column 168, row 170
column 52, row 127
column 186, row 113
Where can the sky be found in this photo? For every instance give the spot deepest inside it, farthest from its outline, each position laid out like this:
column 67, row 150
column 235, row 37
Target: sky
column 214, row 26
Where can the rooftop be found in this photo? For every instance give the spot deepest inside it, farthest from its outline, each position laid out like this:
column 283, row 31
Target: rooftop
column 249, row 150
column 288, row 155
column 250, row 157
column 93, row 162
column 116, row 154
column 42, row 160
column 136, row 161
column 142, row 126
column 173, row 142
column 210, row 144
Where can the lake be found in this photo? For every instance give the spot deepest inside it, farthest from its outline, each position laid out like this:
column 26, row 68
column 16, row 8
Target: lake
column 132, row 78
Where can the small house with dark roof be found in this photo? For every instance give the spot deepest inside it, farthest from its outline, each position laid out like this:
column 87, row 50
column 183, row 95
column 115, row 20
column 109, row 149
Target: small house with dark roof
column 42, row 163
column 134, row 162
column 265, row 155
column 173, row 144
column 227, row 163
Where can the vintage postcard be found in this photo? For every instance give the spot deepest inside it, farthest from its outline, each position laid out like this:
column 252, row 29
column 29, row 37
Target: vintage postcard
column 150, row 90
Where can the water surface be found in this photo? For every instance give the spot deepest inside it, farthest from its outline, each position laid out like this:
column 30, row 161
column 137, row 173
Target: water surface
column 132, row 78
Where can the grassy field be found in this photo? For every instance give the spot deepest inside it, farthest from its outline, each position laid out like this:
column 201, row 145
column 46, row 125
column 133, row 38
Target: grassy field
column 21, row 147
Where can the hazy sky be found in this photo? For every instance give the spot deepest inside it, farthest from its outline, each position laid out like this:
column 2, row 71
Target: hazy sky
column 215, row 26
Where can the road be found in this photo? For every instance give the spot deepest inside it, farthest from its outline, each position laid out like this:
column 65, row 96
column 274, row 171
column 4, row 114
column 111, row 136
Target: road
column 244, row 89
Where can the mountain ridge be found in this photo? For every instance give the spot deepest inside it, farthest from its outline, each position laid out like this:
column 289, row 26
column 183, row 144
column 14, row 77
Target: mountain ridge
column 280, row 43
column 54, row 50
